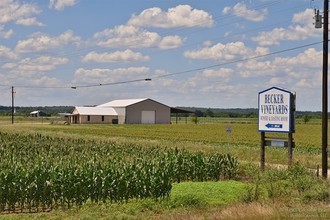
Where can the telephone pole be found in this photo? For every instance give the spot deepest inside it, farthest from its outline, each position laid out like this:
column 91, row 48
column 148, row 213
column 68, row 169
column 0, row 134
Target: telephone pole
column 12, row 105
column 325, row 90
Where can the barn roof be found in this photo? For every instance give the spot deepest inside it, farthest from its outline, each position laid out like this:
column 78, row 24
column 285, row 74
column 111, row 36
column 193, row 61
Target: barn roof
column 94, row 111
column 121, row 103
column 177, row 110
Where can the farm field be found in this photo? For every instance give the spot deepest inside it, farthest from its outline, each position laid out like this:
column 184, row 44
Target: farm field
column 243, row 141
column 165, row 172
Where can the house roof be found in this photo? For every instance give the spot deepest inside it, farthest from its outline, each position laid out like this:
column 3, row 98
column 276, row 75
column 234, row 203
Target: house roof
column 94, row 111
column 121, row 103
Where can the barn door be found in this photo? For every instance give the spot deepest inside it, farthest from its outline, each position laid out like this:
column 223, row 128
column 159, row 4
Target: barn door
column 148, row 117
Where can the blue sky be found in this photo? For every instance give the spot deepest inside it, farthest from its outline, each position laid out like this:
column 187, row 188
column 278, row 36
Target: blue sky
column 210, row 53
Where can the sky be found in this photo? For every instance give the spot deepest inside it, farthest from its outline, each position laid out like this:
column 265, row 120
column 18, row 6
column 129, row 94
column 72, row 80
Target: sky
column 210, row 53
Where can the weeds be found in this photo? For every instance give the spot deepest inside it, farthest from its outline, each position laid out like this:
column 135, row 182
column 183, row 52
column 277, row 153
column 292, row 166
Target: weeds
column 297, row 183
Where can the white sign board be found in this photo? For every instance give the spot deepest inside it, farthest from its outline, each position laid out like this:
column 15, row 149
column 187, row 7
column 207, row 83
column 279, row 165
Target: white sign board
column 275, row 110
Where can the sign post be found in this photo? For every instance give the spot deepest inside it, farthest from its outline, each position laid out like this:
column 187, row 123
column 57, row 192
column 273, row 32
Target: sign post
column 276, row 114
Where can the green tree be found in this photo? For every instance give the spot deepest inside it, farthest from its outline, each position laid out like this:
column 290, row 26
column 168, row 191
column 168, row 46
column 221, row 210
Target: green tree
column 199, row 113
column 209, row 113
column 306, row 118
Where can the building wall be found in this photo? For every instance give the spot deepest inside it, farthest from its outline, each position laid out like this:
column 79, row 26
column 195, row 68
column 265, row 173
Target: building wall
column 121, row 111
column 97, row 119
column 134, row 112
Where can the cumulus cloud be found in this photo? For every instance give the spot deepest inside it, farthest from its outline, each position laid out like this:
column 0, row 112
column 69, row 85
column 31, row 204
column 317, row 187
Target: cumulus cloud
column 180, row 16
column 296, row 67
column 220, row 51
column 118, row 56
column 45, row 81
column 170, row 42
column 241, row 10
column 88, row 76
column 20, row 13
column 254, row 68
column 310, row 58
column 6, row 52
column 223, row 73
column 6, row 34
column 301, row 29
column 43, row 42
column 134, row 37
column 29, row 22
column 61, row 4
column 30, row 67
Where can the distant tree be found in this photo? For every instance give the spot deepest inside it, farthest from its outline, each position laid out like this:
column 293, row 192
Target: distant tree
column 251, row 115
column 222, row 114
column 199, row 113
column 306, row 118
column 209, row 113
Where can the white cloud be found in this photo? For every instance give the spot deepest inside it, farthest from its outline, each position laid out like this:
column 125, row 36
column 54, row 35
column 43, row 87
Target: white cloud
column 6, row 34
column 118, row 56
column 223, row 73
column 29, row 22
column 302, row 66
column 254, row 68
column 31, row 67
column 127, row 36
column 301, row 29
column 14, row 11
column 170, row 42
column 88, row 76
column 180, row 16
column 241, row 10
column 61, row 4
column 44, row 81
column 42, row 42
column 310, row 58
column 134, row 37
column 220, row 51
column 6, row 52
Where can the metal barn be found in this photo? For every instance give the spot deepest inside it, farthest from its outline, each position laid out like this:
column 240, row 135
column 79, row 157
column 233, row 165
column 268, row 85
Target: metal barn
column 126, row 111
column 140, row 111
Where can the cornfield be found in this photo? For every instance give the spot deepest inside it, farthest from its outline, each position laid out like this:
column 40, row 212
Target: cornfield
column 39, row 173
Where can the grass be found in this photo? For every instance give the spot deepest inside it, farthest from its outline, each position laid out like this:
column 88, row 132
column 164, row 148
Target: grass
column 206, row 193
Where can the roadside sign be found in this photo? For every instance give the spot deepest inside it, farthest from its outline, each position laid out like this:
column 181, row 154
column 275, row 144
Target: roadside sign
column 276, row 110
column 228, row 129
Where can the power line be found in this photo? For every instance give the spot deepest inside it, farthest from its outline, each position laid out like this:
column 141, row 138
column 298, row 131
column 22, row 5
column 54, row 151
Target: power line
column 169, row 74
column 241, row 60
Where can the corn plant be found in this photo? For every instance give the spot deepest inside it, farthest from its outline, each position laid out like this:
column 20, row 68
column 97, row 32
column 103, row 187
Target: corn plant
column 40, row 172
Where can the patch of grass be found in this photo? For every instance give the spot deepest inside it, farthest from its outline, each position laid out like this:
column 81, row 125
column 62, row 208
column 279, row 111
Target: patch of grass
column 201, row 194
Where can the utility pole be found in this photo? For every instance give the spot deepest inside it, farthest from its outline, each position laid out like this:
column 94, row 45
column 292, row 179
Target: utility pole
column 12, row 105
column 325, row 91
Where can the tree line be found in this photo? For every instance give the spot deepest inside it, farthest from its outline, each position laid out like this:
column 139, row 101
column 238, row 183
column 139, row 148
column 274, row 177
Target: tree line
column 198, row 112
column 241, row 113
column 25, row 111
